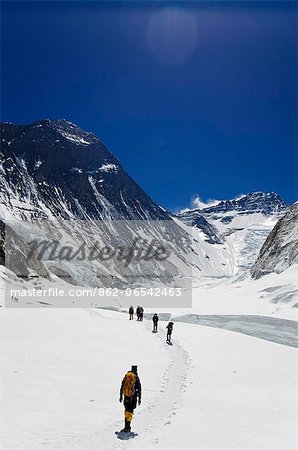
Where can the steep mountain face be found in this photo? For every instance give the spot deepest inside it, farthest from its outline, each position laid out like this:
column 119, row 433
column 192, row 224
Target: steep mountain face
column 280, row 249
column 198, row 221
column 237, row 228
column 53, row 167
column 61, row 186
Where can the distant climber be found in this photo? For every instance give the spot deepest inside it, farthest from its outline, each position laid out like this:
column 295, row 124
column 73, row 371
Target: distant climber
column 131, row 312
column 138, row 313
column 169, row 332
column 131, row 389
column 155, row 320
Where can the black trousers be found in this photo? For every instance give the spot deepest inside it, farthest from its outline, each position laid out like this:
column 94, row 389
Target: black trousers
column 130, row 404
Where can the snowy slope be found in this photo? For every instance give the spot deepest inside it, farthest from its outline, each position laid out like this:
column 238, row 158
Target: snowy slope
column 236, row 228
column 272, row 295
column 214, row 389
column 280, row 249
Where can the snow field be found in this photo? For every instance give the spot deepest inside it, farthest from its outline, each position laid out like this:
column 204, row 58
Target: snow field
column 241, row 393
column 61, row 372
column 212, row 390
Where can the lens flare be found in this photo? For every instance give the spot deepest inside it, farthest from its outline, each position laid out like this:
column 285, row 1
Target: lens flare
column 172, row 35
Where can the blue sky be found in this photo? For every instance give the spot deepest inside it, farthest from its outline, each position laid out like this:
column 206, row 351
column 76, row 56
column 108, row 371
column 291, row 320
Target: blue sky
column 193, row 98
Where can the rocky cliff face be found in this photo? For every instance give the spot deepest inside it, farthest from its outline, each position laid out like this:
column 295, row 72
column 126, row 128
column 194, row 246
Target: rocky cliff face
column 280, row 249
column 55, row 168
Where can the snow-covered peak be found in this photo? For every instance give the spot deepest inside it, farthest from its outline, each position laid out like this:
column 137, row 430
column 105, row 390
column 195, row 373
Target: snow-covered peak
column 68, row 130
column 241, row 225
column 52, row 158
column 58, row 123
column 255, row 202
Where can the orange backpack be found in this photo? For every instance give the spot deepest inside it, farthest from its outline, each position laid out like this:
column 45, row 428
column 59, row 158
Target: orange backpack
column 129, row 384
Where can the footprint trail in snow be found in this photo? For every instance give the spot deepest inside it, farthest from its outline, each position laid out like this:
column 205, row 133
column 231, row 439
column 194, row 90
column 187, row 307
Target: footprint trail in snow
column 161, row 410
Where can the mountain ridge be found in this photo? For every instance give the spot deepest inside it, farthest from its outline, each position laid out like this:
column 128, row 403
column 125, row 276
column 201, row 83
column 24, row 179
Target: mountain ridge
column 51, row 156
column 256, row 201
column 52, row 169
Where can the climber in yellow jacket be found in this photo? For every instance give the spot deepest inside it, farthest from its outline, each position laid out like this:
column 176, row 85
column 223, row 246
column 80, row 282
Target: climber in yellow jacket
column 131, row 390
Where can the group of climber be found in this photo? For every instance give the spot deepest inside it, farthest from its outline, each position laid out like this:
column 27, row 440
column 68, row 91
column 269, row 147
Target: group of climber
column 131, row 388
column 169, row 328
column 139, row 313
column 155, row 319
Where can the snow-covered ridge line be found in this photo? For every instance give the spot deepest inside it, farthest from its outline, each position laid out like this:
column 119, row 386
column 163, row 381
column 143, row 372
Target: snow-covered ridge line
column 245, row 202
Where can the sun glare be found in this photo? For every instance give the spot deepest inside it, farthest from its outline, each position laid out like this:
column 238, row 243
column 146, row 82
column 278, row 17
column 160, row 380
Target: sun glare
column 172, row 35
